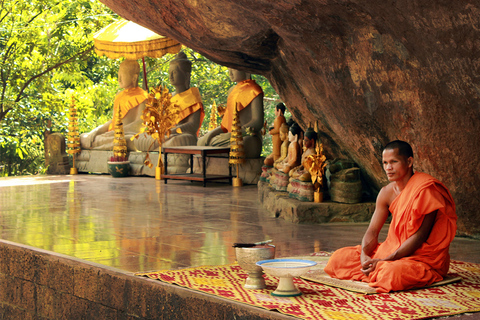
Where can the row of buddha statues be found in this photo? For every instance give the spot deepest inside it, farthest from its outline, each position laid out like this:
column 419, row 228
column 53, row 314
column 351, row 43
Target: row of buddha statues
column 247, row 95
column 288, row 167
column 284, row 168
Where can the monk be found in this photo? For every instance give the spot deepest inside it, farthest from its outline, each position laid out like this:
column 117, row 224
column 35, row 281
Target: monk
column 415, row 252
column 131, row 102
column 275, row 132
column 249, row 97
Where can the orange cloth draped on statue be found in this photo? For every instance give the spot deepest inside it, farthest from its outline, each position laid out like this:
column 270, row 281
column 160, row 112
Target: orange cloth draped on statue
column 127, row 100
column 422, row 195
column 243, row 94
column 189, row 101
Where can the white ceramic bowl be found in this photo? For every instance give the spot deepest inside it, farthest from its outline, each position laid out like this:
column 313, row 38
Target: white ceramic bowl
column 286, row 267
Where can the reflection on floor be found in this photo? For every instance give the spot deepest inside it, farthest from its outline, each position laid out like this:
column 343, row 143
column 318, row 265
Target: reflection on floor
column 141, row 224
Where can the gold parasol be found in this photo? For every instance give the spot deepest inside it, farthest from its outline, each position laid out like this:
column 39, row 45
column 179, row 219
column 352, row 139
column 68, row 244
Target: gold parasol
column 129, row 40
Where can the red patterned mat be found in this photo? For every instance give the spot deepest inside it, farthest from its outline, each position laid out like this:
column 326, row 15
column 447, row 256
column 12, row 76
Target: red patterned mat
column 324, row 302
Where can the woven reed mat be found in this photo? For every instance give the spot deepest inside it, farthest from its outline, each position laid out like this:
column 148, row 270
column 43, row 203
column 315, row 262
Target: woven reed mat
column 320, row 301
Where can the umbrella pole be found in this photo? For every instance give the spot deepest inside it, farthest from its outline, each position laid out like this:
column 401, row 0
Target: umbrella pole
column 145, row 74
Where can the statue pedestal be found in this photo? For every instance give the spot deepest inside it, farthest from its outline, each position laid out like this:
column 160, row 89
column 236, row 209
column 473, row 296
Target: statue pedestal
column 280, row 205
column 301, row 190
column 95, row 161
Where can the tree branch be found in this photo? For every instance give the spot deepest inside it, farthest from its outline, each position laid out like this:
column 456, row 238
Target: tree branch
column 78, row 55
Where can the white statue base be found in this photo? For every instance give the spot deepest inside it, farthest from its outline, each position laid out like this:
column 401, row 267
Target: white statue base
column 95, row 161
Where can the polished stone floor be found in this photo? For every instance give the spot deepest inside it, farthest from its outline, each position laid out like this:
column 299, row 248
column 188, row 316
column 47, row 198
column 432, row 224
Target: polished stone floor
column 141, row 224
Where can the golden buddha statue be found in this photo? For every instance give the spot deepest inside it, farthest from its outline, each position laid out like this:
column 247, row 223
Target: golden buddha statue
column 275, row 132
column 284, row 146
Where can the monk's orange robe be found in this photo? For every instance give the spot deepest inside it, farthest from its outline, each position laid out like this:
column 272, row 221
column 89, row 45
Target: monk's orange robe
column 243, row 94
column 189, row 102
column 422, row 195
column 127, row 100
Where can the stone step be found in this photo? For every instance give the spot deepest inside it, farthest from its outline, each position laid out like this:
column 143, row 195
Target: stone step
column 280, row 205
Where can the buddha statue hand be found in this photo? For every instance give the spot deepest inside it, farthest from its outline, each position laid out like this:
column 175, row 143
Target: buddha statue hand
column 86, row 139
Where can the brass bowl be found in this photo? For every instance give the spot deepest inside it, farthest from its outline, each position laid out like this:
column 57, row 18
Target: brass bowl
column 247, row 257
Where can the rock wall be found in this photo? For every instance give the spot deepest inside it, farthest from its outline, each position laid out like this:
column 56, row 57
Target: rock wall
column 369, row 71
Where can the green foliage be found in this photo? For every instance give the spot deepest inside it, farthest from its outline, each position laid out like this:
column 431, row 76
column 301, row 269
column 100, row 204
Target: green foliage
column 45, row 49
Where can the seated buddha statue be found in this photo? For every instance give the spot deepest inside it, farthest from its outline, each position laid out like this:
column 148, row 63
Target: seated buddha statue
column 301, row 172
column 300, row 185
column 285, row 142
column 131, row 102
column 294, row 153
column 275, row 133
column 188, row 99
column 279, row 177
column 249, row 97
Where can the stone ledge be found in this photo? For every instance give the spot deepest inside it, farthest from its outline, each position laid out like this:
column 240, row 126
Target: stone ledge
column 39, row 284
column 282, row 206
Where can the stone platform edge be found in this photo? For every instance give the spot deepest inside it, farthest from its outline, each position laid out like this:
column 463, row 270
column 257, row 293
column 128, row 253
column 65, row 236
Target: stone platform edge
column 280, row 205
column 39, row 284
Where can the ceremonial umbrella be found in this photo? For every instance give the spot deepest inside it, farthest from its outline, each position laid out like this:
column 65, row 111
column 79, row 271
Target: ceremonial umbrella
column 129, row 40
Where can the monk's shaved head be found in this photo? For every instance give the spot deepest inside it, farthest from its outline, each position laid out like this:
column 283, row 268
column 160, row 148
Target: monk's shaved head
column 404, row 148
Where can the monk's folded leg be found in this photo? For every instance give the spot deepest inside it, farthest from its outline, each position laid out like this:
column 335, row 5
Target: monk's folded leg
column 345, row 264
column 402, row 274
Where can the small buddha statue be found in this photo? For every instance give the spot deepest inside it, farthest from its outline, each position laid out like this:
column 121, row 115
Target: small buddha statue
column 275, row 132
column 188, row 99
column 301, row 172
column 300, row 185
column 130, row 101
column 267, row 171
column 249, row 97
column 294, row 153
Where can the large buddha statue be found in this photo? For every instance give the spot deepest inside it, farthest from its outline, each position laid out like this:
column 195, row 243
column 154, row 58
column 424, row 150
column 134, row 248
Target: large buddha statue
column 131, row 102
column 275, row 132
column 188, row 99
column 249, row 97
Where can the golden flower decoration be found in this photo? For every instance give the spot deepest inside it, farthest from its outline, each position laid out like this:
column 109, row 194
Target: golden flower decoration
column 316, row 165
column 159, row 116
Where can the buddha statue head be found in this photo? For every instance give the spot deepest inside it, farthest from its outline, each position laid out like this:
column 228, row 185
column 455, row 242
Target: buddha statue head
column 309, row 139
column 294, row 132
column 179, row 72
column 280, row 109
column 128, row 73
column 283, row 132
column 237, row 75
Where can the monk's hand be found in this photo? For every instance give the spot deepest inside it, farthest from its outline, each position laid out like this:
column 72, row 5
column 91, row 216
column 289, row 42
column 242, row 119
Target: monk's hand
column 369, row 266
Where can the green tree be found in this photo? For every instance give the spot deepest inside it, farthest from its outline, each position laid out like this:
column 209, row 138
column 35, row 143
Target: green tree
column 45, row 47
